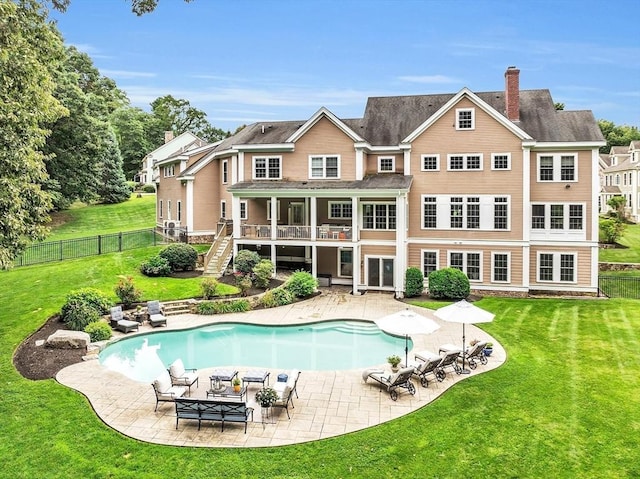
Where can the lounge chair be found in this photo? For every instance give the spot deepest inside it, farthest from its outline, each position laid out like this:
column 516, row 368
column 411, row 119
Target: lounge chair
column 156, row 315
column 181, row 376
column 399, row 380
column 285, row 391
column 422, row 369
column 475, row 354
column 165, row 391
column 121, row 322
column 449, row 360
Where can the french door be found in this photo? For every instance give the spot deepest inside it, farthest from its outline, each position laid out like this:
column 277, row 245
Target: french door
column 380, row 272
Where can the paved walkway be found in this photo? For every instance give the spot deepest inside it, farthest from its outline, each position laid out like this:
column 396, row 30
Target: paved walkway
column 330, row 403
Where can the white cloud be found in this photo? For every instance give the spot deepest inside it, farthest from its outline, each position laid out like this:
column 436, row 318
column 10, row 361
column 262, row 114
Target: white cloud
column 429, row 79
column 127, row 74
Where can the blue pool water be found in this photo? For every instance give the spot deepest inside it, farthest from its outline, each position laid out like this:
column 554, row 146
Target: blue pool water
column 323, row 346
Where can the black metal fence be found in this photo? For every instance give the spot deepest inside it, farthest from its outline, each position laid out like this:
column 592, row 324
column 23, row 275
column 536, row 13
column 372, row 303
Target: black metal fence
column 619, row 286
column 89, row 246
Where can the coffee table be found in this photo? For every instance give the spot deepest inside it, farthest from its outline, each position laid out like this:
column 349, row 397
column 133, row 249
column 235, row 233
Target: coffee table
column 227, row 392
column 256, row 376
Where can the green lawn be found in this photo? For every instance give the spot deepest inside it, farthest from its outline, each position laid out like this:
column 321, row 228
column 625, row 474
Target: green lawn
column 564, row 405
column 631, row 254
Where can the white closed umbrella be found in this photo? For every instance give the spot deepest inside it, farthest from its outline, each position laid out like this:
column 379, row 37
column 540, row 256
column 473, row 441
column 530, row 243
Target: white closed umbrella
column 405, row 323
column 465, row 313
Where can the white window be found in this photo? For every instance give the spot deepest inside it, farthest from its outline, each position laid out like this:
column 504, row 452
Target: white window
column 169, row 171
column 321, row 167
column 386, row 164
column 244, row 208
column 429, row 262
column 465, row 119
column 345, row 266
column 500, row 161
column 500, row 267
column 379, row 216
column 168, row 209
column 465, row 212
column 429, row 212
column 269, row 210
column 617, row 180
column 225, row 171
column 558, row 167
column 469, row 263
column 563, row 217
column 179, row 210
column 430, row 163
column 339, row 210
column 223, row 209
column 267, row 168
column 501, row 213
column 464, row 162
column 481, row 212
column 160, row 209
column 557, row 267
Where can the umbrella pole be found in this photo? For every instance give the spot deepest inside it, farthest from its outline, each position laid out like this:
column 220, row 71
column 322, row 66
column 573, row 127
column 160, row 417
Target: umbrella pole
column 463, row 371
column 406, row 351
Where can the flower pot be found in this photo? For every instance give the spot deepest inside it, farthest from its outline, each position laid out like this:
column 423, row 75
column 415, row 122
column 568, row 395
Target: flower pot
column 488, row 351
column 236, row 388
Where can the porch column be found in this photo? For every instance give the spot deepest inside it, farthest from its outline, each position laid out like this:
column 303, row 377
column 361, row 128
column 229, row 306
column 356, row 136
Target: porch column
column 526, row 216
column 234, row 169
column 355, row 234
column 314, row 261
column 401, row 246
column 189, row 205
column 235, row 215
column 406, row 151
column 356, row 269
column 273, row 256
column 313, row 222
column 274, row 218
column 240, row 175
column 359, row 164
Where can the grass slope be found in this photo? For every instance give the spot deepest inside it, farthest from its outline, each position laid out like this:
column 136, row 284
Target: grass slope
column 564, row 405
column 631, row 239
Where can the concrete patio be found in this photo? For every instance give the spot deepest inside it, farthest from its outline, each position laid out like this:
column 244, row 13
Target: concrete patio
column 330, row 403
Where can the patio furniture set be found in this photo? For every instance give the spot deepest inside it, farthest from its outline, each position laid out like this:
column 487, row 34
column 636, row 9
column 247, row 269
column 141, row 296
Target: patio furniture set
column 127, row 323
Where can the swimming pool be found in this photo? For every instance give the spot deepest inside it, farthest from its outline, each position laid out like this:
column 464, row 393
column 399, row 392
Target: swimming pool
column 322, row 346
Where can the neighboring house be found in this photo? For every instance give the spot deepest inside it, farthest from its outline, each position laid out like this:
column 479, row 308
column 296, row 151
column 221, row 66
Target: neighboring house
column 498, row 184
column 620, row 176
column 171, row 146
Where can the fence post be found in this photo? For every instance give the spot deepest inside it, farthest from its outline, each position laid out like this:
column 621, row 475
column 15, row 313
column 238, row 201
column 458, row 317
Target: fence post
column 99, row 244
column 120, row 241
column 61, row 256
column 153, row 232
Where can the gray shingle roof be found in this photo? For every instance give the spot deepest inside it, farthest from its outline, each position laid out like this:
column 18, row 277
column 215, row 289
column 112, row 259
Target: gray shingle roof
column 372, row 182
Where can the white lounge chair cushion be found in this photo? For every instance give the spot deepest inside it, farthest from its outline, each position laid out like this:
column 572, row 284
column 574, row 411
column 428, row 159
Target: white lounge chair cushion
column 293, row 377
column 284, row 394
column 163, row 383
column 177, row 368
column 128, row 324
column 279, row 387
column 174, row 392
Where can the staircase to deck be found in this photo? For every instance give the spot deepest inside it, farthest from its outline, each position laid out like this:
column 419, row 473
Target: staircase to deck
column 219, row 256
column 172, row 308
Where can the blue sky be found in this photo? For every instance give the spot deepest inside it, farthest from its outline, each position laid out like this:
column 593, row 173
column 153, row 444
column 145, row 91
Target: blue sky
column 243, row 61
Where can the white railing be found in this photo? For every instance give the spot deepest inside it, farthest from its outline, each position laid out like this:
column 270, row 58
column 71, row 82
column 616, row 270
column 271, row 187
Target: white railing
column 293, row 232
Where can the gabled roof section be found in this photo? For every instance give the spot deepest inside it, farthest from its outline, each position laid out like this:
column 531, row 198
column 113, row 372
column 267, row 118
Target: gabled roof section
column 176, row 145
column 324, row 113
column 466, row 93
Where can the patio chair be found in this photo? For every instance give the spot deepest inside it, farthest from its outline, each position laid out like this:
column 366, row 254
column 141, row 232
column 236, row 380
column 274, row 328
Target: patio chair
column 285, row 390
column 156, row 315
column 399, row 380
column 449, row 360
column 475, row 354
column 165, row 391
column 121, row 322
column 424, row 368
column 181, row 376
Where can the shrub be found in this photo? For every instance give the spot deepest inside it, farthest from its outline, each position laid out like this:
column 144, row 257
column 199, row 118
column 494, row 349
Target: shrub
column 208, row 287
column 243, row 283
column 414, row 282
column 181, row 256
column 77, row 315
column 98, row 331
column 302, row 284
column 611, row 230
column 263, row 272
column 149, row 189
column 276, row 297
column 156, row 266
column 449, row 283
column 127, row 292
column 220, row 307
column 92, row 297
column 246, row 260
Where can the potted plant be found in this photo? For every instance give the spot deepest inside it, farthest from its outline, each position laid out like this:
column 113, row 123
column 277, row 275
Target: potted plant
column 488, row 349
column 394, row 360
column 266, row 397
column 236, row 384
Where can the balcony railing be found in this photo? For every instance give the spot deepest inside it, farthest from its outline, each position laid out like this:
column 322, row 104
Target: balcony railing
column 293, row 232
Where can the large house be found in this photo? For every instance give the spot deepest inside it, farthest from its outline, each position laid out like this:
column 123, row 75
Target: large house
column 620, row 176
column 171, row 147
column 498, row 184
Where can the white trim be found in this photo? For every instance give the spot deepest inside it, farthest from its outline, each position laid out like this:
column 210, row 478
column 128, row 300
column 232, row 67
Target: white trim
column 246, row 209
column 556, row 267
column 324, row 113
column 341, row 203
column 366, row 271
column 557, row 167
column 464, row 254
column 465, row 160
column 472, row 119
column 266, row 158
column 422, row 252
column 224, row 172
column 353, row 262
column 324, row 159
column 493, row 157
column 223, row 209
column 269, row 210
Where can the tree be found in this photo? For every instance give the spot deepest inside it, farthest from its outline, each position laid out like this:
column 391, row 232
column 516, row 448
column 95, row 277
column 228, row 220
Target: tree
column 617, row 203
column 30, row 49
column 132, row 128
column 617, row 135
column 177, row 115
column 139, row 7
column 112, row 187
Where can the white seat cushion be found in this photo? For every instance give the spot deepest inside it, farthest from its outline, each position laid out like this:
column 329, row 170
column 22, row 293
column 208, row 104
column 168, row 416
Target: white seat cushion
column 174, row 392
column 163, row 383
column 177, row 368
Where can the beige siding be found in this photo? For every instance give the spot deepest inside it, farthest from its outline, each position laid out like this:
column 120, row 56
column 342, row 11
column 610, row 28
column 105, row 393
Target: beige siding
column 207, row 197
column 583, row 266
column 371, row 162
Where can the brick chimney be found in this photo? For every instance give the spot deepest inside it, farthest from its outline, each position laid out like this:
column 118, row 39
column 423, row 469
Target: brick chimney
column 168, row 136
column 512, row 93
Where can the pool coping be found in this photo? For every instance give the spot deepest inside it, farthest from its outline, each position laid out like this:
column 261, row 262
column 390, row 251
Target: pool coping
column 329, row 403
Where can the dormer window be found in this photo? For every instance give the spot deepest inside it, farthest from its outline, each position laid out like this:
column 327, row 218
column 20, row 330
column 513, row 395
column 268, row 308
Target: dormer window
column 386, row 164
column 465, row 119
